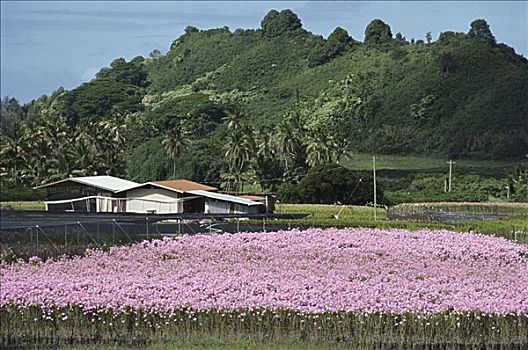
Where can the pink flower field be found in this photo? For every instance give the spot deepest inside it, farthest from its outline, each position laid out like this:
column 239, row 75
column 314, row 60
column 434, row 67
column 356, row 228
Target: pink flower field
column 352, row 270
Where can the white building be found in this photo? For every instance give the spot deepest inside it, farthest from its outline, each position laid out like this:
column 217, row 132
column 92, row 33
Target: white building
column 87, row 194
column 220, row 203
column 170, row 196
column 112, row 194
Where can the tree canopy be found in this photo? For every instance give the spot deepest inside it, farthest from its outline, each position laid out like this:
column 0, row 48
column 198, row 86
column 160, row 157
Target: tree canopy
column 277, row 23
column 479, row 28
column 378, row 33
column 303, row 100
column 333, row 184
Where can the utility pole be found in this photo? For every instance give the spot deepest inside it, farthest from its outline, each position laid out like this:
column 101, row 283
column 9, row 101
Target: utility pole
column 450, row 173
column 374, row 173
column 37, row 229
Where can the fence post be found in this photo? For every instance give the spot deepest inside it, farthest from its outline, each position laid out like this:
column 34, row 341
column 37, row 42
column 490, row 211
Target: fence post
column 65, row 235
column 37, row 240
column 146, row 223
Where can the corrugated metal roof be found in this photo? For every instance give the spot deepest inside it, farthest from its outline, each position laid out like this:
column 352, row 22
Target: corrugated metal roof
column 104, row 182
column 224, row 197
column 185, row 185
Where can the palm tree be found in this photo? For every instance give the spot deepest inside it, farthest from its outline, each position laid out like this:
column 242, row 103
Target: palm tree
column 238, row 147
column 56, row 139
column 115, row 126
column 13, row 153
column 233, row 117
column 175, row 143
column 288, row 143
column 264, row 163
column 83, row 154
column 321, row 148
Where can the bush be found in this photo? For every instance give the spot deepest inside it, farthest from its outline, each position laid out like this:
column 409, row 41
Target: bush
column 331, row 184
column 288, row 193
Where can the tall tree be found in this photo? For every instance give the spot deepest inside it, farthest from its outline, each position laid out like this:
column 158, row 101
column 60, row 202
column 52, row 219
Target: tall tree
column 238, row 148
column 14, row 153
column 479, row 28
column 378, row 33
column 11, row 112
column 275, row 24
column 338, row 41
column 175, row 142
column 264, row 163
column 428, row 37
column 288, row 142
column 320, row 148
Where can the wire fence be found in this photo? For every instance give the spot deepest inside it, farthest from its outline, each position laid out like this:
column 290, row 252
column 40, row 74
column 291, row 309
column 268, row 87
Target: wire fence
column 48, row 237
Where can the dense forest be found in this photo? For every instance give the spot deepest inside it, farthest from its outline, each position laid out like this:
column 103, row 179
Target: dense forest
column 264, row 106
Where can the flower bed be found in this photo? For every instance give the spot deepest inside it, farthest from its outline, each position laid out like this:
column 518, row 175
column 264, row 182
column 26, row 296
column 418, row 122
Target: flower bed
column 364, row 278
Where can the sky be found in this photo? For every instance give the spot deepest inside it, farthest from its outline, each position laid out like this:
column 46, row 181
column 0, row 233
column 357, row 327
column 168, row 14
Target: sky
column 46, row 44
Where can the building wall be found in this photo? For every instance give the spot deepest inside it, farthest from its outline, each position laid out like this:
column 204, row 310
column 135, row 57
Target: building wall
column 246, row 209
column 110, row 205
column 143, row 200
column 213, row 206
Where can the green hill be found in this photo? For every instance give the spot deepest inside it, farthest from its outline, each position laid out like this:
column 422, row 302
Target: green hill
column 277, row 101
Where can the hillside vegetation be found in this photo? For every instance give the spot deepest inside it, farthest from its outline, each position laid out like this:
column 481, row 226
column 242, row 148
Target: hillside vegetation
column 264, row 106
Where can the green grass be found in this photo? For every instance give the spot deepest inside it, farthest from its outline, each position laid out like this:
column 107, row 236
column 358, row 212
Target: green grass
column 515, row 228
column 321, row 215
column 334, row 214
column 513, row 209
column 362, row 161
column 23, row 205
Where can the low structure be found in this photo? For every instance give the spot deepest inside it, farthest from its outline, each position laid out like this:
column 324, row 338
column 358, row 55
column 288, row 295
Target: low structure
column 161, row 197
column 112, row 194
column 267, row 201
column 220, row 203
column 88, row 194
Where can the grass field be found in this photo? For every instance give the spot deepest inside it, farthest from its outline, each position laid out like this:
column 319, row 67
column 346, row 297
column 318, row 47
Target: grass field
column 513, row 209
column 322, row 215
column 394, row 162
column 515, row 228
column 22, row 205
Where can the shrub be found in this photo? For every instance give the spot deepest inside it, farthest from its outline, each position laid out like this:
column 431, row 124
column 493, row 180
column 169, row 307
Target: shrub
column 330, row 184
